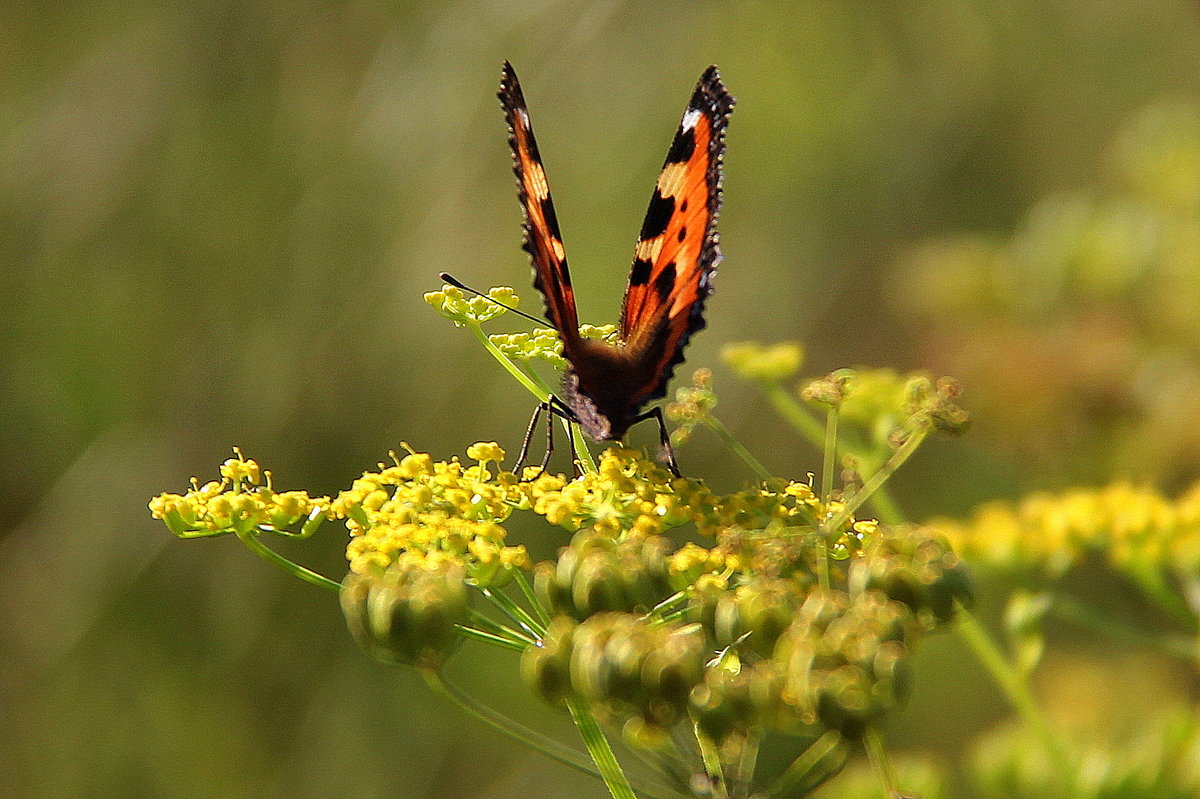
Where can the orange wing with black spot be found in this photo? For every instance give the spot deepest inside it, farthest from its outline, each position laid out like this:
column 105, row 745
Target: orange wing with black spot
column 543, row 241
column 677, row 252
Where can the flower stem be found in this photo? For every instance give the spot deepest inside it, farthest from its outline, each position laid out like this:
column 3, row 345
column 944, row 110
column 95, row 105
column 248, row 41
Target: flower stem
column 502, row 724
column 602, row 754
column 1010, row 680
column 881, row 763
column 795, row 413
column 1072, row 610
column 518, row 614
column 250, row 539
column 715, row 424
column 802, row 773
column 876, row 480
column 712, row 763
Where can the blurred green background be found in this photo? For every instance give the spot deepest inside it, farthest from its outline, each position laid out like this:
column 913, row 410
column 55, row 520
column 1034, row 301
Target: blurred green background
column 217, row 220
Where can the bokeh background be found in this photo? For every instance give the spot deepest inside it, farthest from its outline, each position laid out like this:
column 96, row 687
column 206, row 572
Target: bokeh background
column 217, row 220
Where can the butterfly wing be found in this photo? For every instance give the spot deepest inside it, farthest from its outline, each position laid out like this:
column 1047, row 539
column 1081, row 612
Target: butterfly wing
column 543, row 241
column 677, row 252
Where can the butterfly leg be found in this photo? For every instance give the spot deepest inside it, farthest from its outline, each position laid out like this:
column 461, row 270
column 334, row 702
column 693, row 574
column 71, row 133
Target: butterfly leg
column 520, row 464
column 563, row 410
column 666, row 451
column 552, row 407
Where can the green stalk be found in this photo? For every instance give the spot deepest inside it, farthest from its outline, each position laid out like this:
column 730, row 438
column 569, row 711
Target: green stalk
column 881, row 763
column 506, row 726
column 715, row 424
column 799, row 774
column 527, row 591
column 712, row 763
column 538, row 389
column 877, row 480
column 491, row 638
column 602, row 754
column 515, row 612
column 795, row 413
column 808, row 426
column 1011, row 681
column 1072, row 610
column 250, row 539
column 482, row 622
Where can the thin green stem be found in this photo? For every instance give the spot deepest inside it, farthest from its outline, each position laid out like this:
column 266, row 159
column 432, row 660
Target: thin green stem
column 795, row 414
column 881, row 763
column 876, row 480
column 830, row 453
column 531, row 385
column 602, row 754
column 581, row 451
column 808, row 426
column 506, row 726
column 802, row 776
column 527, row 591
column 1072, row 610
column 538, row 389
column 250, row 539
column 711, row 758
column 496, row 628
column 747, row 762
column 715, row 424
column 518, row 614
column 1155, row 585
column 1012, row 682
column 491, row 638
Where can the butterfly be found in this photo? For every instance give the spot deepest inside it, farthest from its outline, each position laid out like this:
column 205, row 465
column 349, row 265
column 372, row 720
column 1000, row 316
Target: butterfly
column 606, row 385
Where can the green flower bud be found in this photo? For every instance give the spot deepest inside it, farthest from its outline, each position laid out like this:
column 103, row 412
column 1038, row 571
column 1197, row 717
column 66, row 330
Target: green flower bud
column 763, row 608
column 596, row 574
column 844, row 659
column 546, row 667
column 407, row 616
column 917, row 569
column 631, row 667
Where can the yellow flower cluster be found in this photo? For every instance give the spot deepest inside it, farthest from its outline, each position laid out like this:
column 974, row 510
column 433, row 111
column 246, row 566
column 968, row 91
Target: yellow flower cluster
column 1134, row 528
column 544, row 344
column 424, row 514
column 421, row 513
column 451, row 303
column 239, row 502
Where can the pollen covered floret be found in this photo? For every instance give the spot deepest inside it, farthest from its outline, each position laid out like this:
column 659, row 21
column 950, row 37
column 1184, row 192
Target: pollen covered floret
column 422, row 513
column 451, row 303
column 544, row 343
column 239, row 502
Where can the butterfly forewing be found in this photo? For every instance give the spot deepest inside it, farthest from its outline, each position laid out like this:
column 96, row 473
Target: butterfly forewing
column 543, row 240
column 677, row 251
column 606, row 385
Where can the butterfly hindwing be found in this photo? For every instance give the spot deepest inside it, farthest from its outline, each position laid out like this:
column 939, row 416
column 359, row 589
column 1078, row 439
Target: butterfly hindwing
column 543, row 241
column 677, row 251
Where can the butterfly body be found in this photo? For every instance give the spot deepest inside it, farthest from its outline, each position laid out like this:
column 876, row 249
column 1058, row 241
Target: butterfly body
column 607, row 385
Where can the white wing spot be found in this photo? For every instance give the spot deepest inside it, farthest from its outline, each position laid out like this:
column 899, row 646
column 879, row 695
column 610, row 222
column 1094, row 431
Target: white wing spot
column 690, row 119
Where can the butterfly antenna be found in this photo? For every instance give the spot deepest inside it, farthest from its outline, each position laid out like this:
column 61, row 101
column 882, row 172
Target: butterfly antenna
column 448, row 278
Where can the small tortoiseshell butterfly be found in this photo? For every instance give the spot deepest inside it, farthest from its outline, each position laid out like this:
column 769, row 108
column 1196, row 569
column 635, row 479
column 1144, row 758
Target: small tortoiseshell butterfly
column 606, row 385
